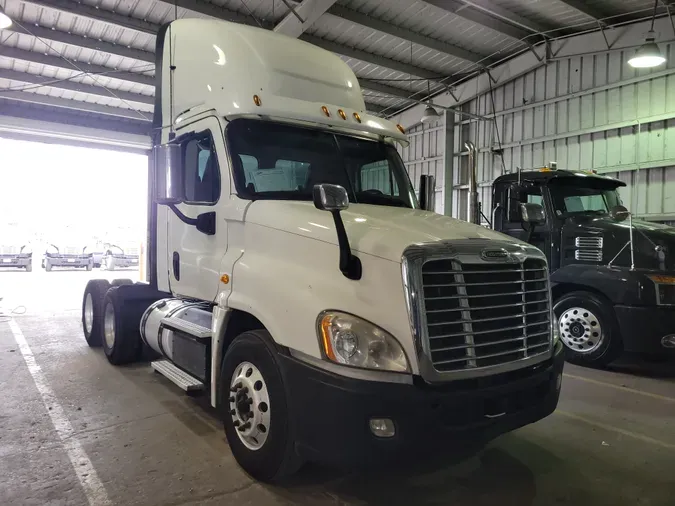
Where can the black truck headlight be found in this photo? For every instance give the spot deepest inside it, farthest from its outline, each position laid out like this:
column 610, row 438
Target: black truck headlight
column 350, row 340
column 665, row 289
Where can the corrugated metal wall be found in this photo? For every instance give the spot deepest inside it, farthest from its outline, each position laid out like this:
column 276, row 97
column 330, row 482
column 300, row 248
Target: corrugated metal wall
column 585, row 112
column 425, row 155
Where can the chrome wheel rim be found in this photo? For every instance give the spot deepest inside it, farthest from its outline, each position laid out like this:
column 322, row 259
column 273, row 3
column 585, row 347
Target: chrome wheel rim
column 580, row 330
column 109, row 326
column 249, row 403
column 88, row 313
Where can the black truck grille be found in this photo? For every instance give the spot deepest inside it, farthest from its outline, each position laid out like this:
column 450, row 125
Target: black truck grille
column 483, row 315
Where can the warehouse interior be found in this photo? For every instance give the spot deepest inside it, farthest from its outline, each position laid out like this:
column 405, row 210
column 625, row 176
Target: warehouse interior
column 494, row 97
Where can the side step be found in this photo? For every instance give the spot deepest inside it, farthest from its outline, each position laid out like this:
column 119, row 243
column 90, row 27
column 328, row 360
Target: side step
column 190, row 328
column 182, row 379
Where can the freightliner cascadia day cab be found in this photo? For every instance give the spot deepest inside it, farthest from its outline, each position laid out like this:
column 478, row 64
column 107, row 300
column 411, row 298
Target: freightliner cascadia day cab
column 295, row 278
column 612, row 276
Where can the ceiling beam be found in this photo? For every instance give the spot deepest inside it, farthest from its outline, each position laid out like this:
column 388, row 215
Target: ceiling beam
column 374, row 85
column 309, row 11
column 462, row 10
column 58, row 62
column 90, row 89
column 82, row 9
column 498, row 12
column 403, row 33
column 71, row 39
column 76, row 105
column 590, row 11
column 205, row 8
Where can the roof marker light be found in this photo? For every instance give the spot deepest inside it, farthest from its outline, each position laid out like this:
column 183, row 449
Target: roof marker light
column 325, row 111
column 256, row 100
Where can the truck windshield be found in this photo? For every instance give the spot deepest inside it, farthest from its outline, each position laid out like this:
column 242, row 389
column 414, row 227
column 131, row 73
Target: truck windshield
column 282, row 162
column 569, row 198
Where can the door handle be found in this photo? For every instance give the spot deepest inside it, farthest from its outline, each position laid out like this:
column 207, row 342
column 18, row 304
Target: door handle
column 176, row 265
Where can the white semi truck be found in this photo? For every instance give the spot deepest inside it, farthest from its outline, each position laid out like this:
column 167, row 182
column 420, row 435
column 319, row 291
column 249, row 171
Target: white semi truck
column 295, row 278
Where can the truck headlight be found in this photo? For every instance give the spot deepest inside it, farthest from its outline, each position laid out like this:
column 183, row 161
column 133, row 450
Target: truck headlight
column 350, row 340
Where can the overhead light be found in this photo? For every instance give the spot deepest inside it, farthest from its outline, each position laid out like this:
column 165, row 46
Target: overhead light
column 430, row 114
column 648, row 55
column 5, row 20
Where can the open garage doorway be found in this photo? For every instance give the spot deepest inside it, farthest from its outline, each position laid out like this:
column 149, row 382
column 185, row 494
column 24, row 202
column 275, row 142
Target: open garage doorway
column 67, row 214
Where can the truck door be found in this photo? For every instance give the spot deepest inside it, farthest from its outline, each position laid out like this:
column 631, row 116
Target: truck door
column 196, row 230
column 513, row 224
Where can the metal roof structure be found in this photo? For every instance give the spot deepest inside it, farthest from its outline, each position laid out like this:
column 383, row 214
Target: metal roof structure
column 90, row 63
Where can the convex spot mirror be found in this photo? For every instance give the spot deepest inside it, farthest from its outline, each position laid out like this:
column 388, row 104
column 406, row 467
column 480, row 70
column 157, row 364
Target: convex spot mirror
column 619, row 213
column 532, row 213
column 168, row 173
column 330, row 197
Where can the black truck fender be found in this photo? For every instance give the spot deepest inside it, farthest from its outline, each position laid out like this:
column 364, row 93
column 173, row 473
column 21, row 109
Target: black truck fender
column 619, row 285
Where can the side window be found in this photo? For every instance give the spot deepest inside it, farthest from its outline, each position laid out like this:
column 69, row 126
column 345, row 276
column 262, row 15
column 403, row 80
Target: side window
column 201, row 170
column 377, row 176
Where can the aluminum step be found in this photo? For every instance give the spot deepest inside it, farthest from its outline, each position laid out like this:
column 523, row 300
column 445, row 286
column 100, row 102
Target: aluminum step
column 190, row 328
column 183, row 380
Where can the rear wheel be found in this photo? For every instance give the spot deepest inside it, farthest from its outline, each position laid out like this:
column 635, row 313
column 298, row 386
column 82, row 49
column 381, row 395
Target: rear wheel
column 29, row 267
column 251, row 390
column 48, row 266
column 92, row 311
column 121, row 337
column 588, row 328
column 90, row 266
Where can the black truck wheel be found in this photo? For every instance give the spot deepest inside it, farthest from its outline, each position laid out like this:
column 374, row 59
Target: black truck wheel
column 92, row 311
column 254, row 408
column 121, row 336
column 588, row 328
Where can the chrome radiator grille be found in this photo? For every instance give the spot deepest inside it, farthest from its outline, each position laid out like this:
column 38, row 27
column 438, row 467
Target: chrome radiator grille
column 485, row 314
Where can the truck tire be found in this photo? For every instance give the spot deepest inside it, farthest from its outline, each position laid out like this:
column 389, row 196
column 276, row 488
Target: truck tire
column 48, row 266
column 264, row 450
column 120, row 282
column 109, row 263
column 588, row 329
column 29, row 267
column 90, row 266
column 92, row 311
column 121, row 336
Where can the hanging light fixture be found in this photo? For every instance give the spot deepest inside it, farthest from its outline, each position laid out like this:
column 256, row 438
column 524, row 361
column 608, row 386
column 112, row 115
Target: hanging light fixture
column 5, row 20
column 648, row 55
column 430, row 114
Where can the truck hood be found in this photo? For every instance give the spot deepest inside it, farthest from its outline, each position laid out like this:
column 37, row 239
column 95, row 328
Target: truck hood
column 616, row 234
column 375, row 230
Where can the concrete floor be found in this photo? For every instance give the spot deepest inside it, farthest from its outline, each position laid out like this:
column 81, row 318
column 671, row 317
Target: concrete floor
column 611, row 442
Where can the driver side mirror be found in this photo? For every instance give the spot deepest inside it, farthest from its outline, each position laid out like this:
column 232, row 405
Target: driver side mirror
column 168, row 173
column 532, row 213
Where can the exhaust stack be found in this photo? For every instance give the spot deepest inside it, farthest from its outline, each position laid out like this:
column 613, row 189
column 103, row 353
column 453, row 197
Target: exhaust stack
column 473, row 209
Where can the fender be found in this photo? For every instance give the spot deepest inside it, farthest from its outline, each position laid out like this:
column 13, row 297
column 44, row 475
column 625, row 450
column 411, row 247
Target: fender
column 618, row 284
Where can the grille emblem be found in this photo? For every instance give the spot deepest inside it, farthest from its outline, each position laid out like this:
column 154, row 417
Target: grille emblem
column 495, row 254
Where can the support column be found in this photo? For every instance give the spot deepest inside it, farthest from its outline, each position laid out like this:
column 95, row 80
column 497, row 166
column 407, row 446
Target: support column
column 448, row 161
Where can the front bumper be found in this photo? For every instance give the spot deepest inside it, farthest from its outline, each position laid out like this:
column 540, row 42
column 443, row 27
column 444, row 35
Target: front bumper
column 15, row 260
column 331, row 413
column 643, row 328
column 125, row 261
column 69, row 261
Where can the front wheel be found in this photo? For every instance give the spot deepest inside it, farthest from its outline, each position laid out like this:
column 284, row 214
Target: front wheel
column 588, row 328
column 29, row 267
column 48, row 266
column 255, row 410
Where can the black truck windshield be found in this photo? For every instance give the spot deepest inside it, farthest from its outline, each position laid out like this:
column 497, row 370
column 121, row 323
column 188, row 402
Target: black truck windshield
column 282, row 162
column 573, row 197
